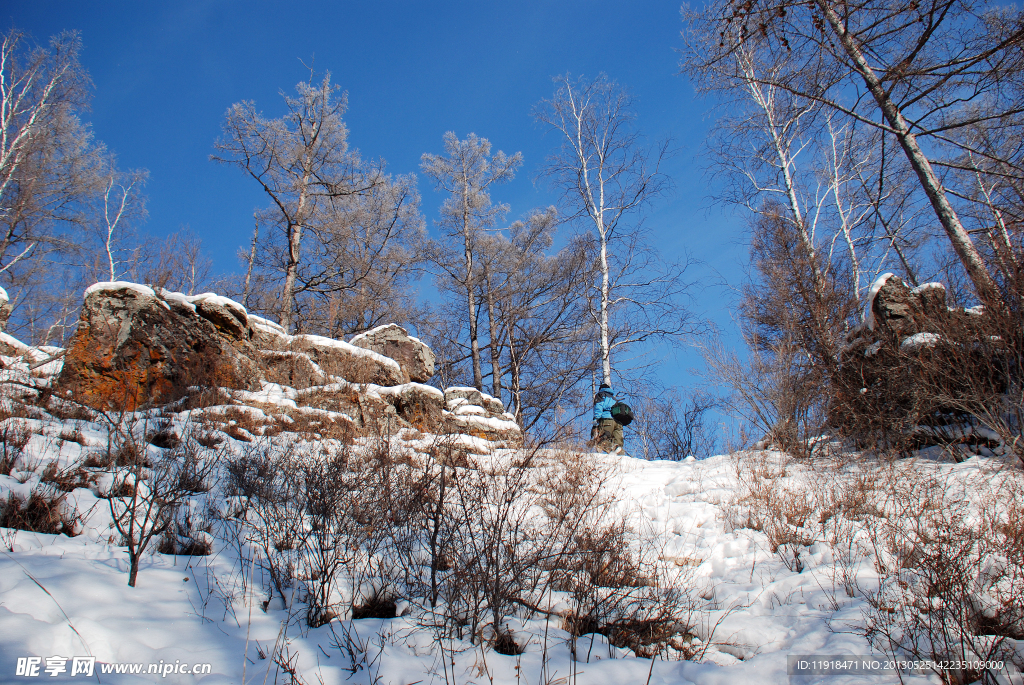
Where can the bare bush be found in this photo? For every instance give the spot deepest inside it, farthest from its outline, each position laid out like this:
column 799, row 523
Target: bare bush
column 147, row 491
column 41, row 512
column 951, row 579
column 671, row 427
column 14, row 436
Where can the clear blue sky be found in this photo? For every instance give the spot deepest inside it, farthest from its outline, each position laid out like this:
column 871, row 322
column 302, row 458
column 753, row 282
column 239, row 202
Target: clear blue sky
column 165, row 73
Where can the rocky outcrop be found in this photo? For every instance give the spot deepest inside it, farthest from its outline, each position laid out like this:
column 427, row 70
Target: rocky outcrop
column 346, row 361
column 901, row 372
column 293, row 369
column 136, row 347
column 478, row 414
column 413, row 356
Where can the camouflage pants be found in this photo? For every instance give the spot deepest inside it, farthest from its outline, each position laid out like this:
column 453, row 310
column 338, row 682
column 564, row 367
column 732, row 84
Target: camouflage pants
column 608, row 435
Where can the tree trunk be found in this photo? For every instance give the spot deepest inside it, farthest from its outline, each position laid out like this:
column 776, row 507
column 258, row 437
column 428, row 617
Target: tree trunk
column 133, row 572
column 474, row 342
column 294, row 247
column 965, row 249
column 606, row 359
column 248, row 271
column 493, row 327
column 291, row 274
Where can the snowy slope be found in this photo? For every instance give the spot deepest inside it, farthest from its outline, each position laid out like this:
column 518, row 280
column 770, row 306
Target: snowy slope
column 757, row 587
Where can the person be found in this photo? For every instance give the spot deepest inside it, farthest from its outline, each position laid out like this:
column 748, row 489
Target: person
column 607, row 431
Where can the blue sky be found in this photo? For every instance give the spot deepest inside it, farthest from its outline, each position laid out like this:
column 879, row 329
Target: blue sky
column 165, row 73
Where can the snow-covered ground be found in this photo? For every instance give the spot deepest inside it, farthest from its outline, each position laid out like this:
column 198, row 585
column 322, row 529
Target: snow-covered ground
column 708, row 527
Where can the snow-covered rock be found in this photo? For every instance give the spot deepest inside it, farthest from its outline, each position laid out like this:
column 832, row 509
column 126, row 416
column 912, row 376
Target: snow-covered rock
column 391, row 340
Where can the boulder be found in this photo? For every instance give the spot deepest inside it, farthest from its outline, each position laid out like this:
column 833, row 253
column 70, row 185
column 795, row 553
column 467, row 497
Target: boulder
column 267, row 335
column 293, row 369
column 421, row 406
column 413, row 356
column 136, row 347
column 478, row 414
column 346, row 361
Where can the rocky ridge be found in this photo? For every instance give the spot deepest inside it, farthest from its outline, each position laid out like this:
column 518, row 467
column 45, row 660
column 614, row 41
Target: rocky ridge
column 138, row 347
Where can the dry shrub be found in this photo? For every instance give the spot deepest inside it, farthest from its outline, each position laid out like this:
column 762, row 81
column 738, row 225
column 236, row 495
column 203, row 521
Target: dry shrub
column 951, row 567
column 72, row 435
column 39, row 514
column 14, row 436
column 65, row 479
column 317, row 426
column 208, row 440
column 504, row 642
column 775, row 504
column 378, row 605
column 164, row 436
column 99, row 459
column 67, row 409
column 131, row 453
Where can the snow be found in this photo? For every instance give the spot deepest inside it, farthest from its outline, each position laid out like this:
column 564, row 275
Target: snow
column 869, row 303
column 219, row 300
column 924, row 287
column 266, row 324
column 370, row 332
column 114, row 286
column 484, row 422
column 270, row 393
column 13, row 342
column 918, row 340
column 758, row 612
column 317, row 341
column 3, row 296
column 752, row 609
column 179, row 298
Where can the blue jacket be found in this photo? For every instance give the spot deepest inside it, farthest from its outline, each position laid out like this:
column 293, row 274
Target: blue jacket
column 603, row 403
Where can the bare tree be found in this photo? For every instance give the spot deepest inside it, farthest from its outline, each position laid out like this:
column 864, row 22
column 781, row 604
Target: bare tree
column 607, row 177
column 302, row 161
column 362, row 260
column 47, row 156
column 925, row 74
column 147, row 489
column 123, row 207
column 539, row 325
column 180, row 264
column 467, row 172
column 52, row 172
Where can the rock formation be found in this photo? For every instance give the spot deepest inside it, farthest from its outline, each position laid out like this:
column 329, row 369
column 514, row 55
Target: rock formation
column 138, row 347
column 135, row 347
column 413, row 356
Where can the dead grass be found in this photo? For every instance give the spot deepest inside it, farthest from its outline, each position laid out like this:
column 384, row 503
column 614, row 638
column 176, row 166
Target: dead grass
column 14, row 436
column 39, row 514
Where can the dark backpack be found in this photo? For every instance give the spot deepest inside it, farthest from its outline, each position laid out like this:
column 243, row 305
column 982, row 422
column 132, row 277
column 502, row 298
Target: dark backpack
column 622, row 413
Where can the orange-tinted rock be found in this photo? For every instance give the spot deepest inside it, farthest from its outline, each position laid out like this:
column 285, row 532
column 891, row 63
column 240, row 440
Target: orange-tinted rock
column 135, row 348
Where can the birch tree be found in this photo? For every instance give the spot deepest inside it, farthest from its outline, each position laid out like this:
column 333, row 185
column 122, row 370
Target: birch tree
column 123, row 206
column 466, row 173
column 608, row 176
column 923, row 73
column 301, row 161
column 48, row 161
column 56, row 181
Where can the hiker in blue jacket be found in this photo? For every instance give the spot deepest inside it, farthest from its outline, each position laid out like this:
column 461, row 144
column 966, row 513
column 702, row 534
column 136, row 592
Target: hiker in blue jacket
column 607, row 432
